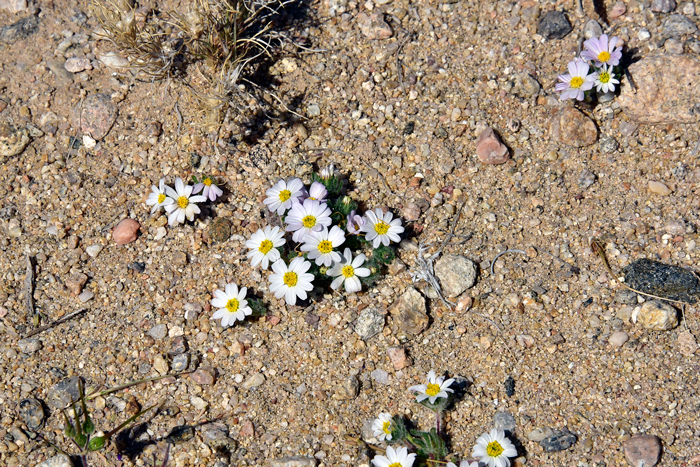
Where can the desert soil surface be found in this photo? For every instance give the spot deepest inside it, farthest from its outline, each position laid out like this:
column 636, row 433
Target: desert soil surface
column 399, row 91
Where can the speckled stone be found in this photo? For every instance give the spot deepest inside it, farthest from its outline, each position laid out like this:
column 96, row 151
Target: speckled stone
column 60, row 460
column 369, row 323
column 554, row 25
column 13, row 139
column 663, row 280
column 97, row 116
column 63, row 393
column 294, row 461
column 656, row 315
column 489, row 148
column 559, row 441
column 456, row 274
column 642, row 450
column 409, row 310
column 571, row 127
column 32, row 413
column 662, row 97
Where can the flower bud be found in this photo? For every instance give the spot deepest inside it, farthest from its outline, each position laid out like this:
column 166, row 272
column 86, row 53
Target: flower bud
column 97, row 443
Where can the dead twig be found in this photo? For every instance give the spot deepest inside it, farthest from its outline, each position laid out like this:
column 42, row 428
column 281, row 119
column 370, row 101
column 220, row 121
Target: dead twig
column 399, row 65
column 29, row 293
column 55, row 323
column 503, row 253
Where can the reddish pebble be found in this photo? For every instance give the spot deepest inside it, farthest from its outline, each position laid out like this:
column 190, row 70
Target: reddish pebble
column 489, row 148
column 397, row 355
column 125, row 231
column 642, row 450
column 617, row 10
column 248, row 429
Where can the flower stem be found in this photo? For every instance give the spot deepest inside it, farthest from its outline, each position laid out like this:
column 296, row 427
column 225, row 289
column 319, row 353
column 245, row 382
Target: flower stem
column 438, row 421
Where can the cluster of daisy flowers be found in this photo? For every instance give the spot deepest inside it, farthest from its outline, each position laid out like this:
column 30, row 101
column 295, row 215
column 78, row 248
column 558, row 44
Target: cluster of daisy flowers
column 595, row 67
column 492, row 449
column 181, row 202
column 330, row 244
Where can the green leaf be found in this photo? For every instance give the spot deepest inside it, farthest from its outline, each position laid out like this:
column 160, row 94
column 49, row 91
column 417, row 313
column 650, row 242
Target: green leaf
column 429, row 444
column 384, row 254
column 400, row 432
column 258, row 307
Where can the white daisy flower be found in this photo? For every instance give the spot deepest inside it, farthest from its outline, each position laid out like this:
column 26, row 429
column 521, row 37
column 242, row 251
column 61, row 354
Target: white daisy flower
column 311, row 216
column 573, row 84
column 158, row 198
column 291, row 281
column 328, row 171
column 398, row 457
column 463, row 464
column 494, row 449
column 347, row 270
column 318, row 192
column 381, row 229
column 184, row 204
column 263, row 245
column 231, row 305
column 283, row 194
column 320, row 245
column 602, row 51
column 383, row 426
column 436, row 388
column 211, row 191
column 606, row 80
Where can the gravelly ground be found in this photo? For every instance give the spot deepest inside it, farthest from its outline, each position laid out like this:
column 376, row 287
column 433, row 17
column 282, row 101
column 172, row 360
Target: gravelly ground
column 458, row 62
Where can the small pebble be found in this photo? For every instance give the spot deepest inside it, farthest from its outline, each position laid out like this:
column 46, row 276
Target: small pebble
column 659, row 188
column 198, row 403
column 490, row 149
column 398, row 357
column 504, row 421
column 202, row 377
column 538, row 434
column 618, row 339
column 369, row 323
column 254, row 381
column 125, row 231
column 181, row 362
column 642, row 450
column 657, row 315
column 663, row 6
column 76, row 65
column 93, row 250
column 158, row 332
column 85, row 296
column 60, row 460
column 617, row 10
column 410, row 312
column 29, row 346
column 32, row 413
column 554, row 25
column 559, row 441
column 76, row 282
column 380, row 376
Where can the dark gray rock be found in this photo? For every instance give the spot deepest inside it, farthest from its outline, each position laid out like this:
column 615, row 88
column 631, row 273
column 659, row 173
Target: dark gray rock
column 32, row 413
column 608, row 145
column 61, row 394
column 348, row 389
column 369, row 323
column 554, row 25
column 216, row 436
column 181, row 362
column 178, row 346
column 663, row 280
column 559, row 441
column 678, row 25
column 19, row 30
column 663, row 6
column 504, row 421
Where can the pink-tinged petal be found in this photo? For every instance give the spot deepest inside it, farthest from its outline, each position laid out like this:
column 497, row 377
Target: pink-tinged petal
column 197, row 188
column 571, row 66
column 603, row 42
column 582, row 68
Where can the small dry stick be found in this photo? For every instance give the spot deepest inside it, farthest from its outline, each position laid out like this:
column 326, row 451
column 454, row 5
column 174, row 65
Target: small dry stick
column 399, row 65
column 599, row 250
column 29, row 293
column 503, row 253
column 55, row 323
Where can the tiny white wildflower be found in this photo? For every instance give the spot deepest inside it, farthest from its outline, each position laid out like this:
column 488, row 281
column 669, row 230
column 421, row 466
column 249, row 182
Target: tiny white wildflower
column 309, row 216
column 283, row 194
column 291, row 281
column 436, row 388
column 383, row 426
column 231, row 304
column 574, row 83
column 381, row 229
column 184, row 204
column 317, row 191
column 158, row 198
column 463, row 464
column 602, row 51
column 494, row 449
column 320, row 245
column 263, row 245
column 606, row 80
column 398, row 457
column 347, row 272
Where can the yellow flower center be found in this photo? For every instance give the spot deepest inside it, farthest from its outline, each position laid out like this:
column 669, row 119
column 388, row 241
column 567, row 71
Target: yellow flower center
column 347, row 271
column 433, row 389
column 325, row 247
column 232, row 305
column 576, row 82
column 183, row 202
column 386, row 427
column 309, row 221
column 604, row 56
column 207, row 181
column 381, row 228
column 265, row 247
column 290, row 279
column 494, row 449
column 285, row 195
column 161, row 198
column 604, row 78
column 396, row 464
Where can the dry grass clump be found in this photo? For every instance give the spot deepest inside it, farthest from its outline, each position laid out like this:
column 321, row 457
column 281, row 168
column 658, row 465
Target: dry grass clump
column 225, row 37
